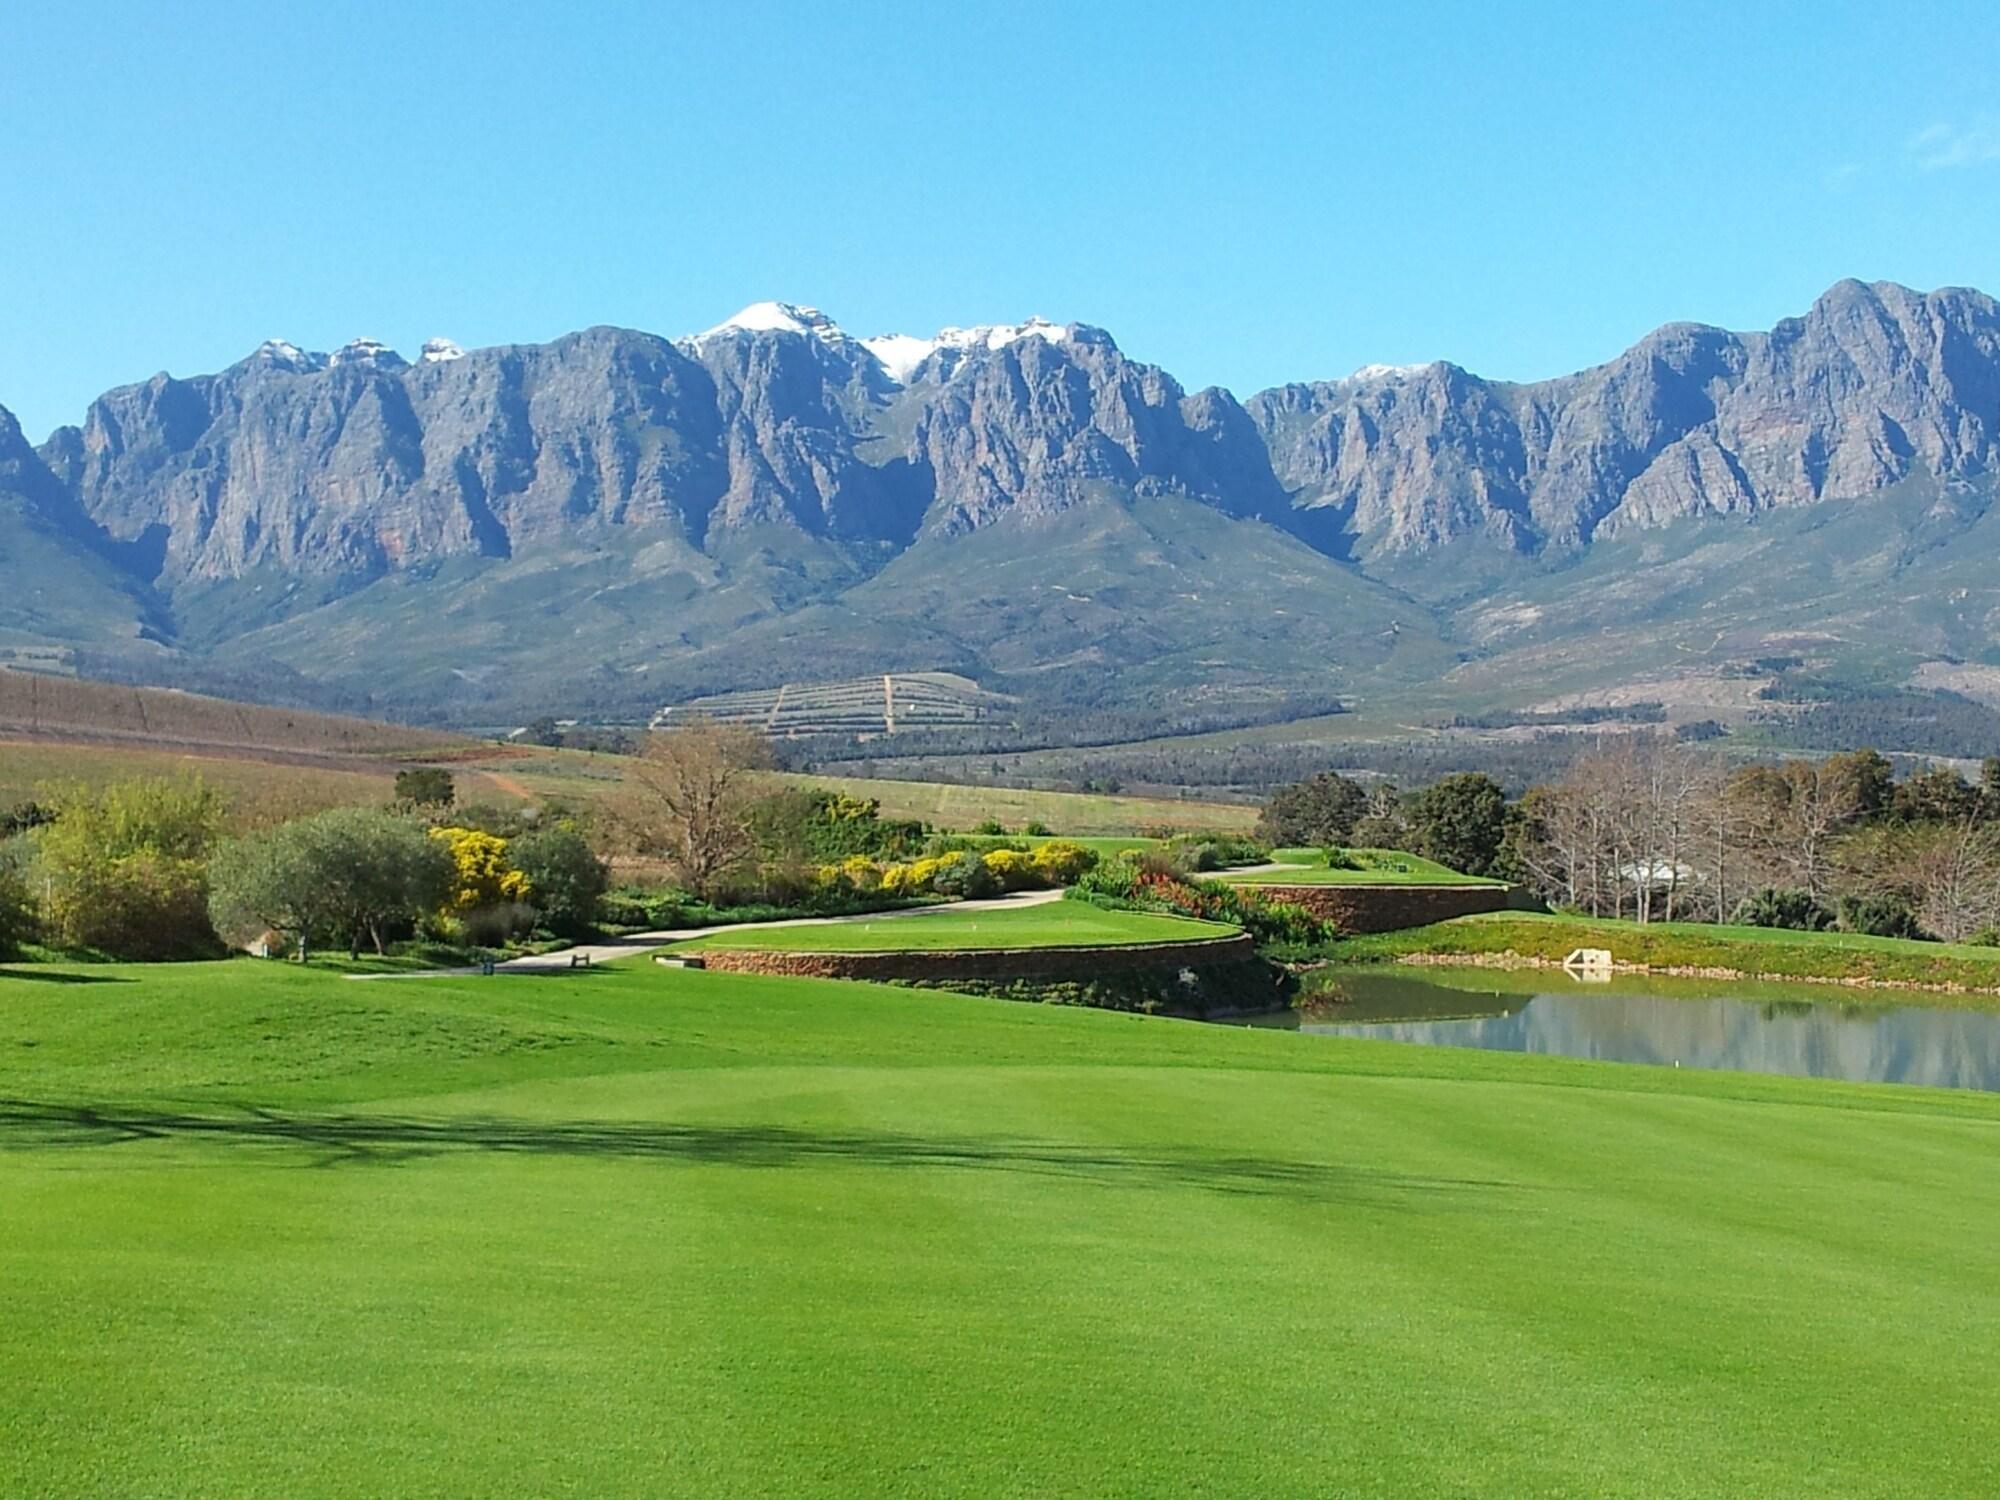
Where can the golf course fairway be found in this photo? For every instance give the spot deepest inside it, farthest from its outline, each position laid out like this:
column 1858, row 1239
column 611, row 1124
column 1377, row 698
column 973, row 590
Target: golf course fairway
column 644, row 1232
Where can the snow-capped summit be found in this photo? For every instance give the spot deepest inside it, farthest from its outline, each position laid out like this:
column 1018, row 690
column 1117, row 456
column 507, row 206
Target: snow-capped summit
column 775, row 317
column 287, row 355
column 900, row 353
column 440, row 351
column 1385, row 372
column 370, row 352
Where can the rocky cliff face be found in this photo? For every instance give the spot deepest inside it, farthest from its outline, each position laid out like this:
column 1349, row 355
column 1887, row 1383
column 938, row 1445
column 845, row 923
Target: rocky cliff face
column 774, row 487
column 359, row 463
column 1873, row 384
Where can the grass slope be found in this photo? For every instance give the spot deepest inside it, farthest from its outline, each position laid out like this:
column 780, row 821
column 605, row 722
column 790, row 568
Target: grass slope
column 642, row 1232
column 1377, row 867
column 1058, row 924
column 1751, row 950
column 951, row 806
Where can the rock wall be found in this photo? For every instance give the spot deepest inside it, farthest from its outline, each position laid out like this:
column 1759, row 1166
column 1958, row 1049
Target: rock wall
column 1385, row 908
column 984, row 963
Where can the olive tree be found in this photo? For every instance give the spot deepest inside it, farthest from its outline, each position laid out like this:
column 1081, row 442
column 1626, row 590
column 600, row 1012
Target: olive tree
column 565, row 877
column 348, row 873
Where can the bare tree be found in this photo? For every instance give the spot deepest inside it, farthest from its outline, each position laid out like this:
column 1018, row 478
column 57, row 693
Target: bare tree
column 686, row 799
column 1956, row 869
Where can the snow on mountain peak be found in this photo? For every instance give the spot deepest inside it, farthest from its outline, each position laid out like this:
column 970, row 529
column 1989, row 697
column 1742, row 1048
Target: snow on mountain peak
column 287, row 355
column 900, row 353
column 1385, row 372
column 775, row 317
column 366, row 351
column 440, row 351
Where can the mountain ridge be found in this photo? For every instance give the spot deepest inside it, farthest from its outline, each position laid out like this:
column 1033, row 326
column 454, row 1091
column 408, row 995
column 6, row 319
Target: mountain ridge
column 689, row 495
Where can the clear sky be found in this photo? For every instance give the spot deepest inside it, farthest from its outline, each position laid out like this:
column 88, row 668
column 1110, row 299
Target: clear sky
column 1245, row 194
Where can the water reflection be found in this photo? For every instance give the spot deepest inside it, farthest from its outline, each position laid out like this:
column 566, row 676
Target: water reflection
column 1666, row 1022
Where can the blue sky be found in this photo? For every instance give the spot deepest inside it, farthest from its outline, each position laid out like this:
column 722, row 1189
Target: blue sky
column 1243, row 194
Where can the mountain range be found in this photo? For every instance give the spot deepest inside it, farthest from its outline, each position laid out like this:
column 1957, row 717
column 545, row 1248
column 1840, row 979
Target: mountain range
column 614, row 520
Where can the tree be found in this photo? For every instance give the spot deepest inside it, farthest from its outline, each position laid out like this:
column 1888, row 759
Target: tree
column 565, row 878
column 425, row 786
column 545, row 731
column 1937, row 794
column 1320, row 810
column 348, row 873
column 123, row 867
column 686, row 798
column 1460, row 821
column 1956, row 870
column 17, row 914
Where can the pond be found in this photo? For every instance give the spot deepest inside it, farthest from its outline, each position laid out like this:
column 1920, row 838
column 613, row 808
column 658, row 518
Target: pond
column 1810, row 1031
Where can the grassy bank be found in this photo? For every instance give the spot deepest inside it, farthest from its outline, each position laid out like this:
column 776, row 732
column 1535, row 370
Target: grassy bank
column 1769, row 951
column 1056, row 924
column 1372, row 867
column 645, row 1232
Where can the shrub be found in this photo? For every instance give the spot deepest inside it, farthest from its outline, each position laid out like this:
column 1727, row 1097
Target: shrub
column 1339, row 859
column 425, row 786
column 1036, row 829
column 492, row 926
column 1793, row 909
column 1061, row 862
column 989, row 826
column 965, row 875
column 1886, row 915
column 124, row 868
column 1112, row 880
column 1216, row 851
column 483, row 876
column 565, row 877
column 1011, row 869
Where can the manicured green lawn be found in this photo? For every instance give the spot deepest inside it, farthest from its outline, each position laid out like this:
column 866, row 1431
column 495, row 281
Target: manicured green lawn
column 1055, row 924
column 1378, row 867
column 642, row 1232
column 1757, row 950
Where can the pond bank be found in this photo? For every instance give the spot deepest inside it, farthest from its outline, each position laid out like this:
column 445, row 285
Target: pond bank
column 1511, row 960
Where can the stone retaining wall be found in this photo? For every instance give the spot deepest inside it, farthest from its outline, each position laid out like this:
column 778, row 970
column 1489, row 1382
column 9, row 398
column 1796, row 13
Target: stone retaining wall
column 1385, row 908
column 983, row 963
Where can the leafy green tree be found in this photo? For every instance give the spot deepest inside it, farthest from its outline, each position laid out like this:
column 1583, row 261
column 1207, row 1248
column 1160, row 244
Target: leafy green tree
column 124, row 867
column 565, row 878
column 1460, row 821
column 1864, row 780
column 1320, row 810
column 350, row 873
column 426, row 786
column 1939, row 794
column 17, row 914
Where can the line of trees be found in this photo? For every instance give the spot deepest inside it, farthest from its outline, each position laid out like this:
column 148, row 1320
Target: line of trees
column 1652, row 827
column 157, row 868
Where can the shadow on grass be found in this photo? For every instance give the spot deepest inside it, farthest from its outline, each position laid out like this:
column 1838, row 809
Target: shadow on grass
column 63, row 976
column 352, row 1140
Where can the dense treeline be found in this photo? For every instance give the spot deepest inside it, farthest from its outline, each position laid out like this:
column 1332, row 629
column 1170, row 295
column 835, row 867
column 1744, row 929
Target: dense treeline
column 1652, row 828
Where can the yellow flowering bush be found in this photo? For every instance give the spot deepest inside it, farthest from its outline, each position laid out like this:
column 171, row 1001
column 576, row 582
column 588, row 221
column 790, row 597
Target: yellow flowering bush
column 1062, row 862
column 1014, row 870
column 481, row 873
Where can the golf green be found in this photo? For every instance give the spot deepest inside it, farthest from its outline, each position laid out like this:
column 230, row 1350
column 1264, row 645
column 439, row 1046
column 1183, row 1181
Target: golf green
column 643, row 1232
